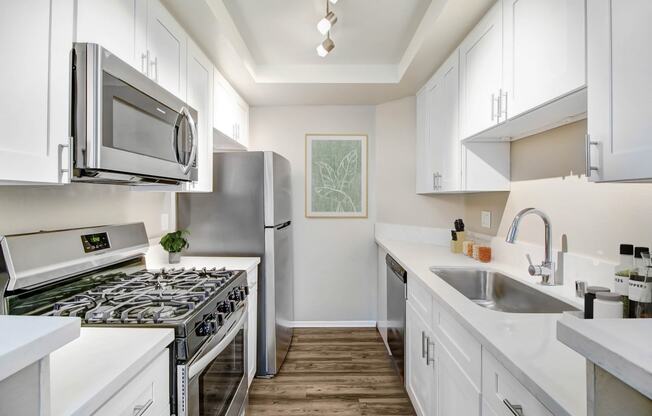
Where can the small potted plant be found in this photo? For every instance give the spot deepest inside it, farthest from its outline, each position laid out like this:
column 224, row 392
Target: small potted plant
column 173, row 243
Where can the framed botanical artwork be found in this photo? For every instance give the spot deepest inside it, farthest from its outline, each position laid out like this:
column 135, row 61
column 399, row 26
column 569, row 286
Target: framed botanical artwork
column 336, row 175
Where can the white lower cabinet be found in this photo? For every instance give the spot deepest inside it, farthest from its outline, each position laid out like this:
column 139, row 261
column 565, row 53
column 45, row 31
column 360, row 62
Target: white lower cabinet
column 147, row 394
column 455, row 393
column 501, row 391
column 419, row 373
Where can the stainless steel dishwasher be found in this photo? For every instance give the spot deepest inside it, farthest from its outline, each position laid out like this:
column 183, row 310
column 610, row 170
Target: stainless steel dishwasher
column 396, row 297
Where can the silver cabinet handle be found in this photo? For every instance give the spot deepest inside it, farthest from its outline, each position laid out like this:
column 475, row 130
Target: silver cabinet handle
column 587, row 147
column 154, row 65
column 140, row 409
column 144, row 58
column 429, row 359
column 502, row 106
column 515, row 409
column 423, row 344
column 66, row 148
column 434, row 181
column 493, row 109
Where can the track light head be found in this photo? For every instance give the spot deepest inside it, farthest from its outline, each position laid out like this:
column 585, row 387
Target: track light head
column 324, row 26
column 333, row 1
column 325, row 47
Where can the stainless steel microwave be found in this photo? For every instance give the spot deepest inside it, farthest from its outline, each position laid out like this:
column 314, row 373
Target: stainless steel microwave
column 127, row 129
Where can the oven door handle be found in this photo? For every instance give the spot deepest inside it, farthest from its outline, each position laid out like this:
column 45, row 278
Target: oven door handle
column 207, row 354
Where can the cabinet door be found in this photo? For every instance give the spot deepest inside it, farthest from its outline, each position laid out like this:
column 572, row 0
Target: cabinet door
column 36, row 38
column 544, row 55
column 166, row 43
column 481, row 72
column 455, row 393
column 619, row 68
column 424, row 181
column 224, row 112
column 252, row 329
column 443, row 145
column 200, row 97
column 111, row 24
column 419, row 374
column 241, row 122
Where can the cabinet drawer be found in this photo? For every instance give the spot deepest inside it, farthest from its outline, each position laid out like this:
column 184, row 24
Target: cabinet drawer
column 498, row 386
column 462, row 346
column 147, row 394
column 419, row 297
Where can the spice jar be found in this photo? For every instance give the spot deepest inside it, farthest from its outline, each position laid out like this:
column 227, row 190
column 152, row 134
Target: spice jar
column 484, row 254
column 607, row 305
column 467, row 248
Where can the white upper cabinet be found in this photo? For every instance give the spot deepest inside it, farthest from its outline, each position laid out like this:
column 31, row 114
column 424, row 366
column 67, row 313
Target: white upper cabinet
column 481, row 74
column 444, row 165
column 443, row 127
column 199, row 87
column 230, row 115
column 112, row 24
column 544, row 54
column 619, row 104
column 166, row 49
column 37, row 38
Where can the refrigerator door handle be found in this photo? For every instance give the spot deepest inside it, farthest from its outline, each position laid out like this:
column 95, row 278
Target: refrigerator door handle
column 284, row 225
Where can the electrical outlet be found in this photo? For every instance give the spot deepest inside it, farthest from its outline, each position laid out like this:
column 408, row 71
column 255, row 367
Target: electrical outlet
column 485, row 219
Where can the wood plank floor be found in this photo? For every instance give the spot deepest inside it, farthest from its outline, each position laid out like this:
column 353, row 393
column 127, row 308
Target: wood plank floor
column 338, row 372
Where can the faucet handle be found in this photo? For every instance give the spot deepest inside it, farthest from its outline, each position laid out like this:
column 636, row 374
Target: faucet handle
column 532, row 269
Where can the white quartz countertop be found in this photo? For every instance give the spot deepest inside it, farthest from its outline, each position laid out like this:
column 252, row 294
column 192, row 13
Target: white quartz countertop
column 620, row 346
column 27, row 339
column 525, row 344
column 156, row 258
column 88, row 371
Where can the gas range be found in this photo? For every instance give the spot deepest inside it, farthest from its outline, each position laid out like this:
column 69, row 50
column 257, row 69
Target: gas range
column 107, row 283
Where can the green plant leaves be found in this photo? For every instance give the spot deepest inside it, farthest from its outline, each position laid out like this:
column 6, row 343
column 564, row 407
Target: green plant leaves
column 174, row 242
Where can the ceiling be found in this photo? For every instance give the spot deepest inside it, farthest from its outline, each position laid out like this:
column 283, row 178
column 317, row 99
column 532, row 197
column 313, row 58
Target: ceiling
column 283, row 32
column 385, row 49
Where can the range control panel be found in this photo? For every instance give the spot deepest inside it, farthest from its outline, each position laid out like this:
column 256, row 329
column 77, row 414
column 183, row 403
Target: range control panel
column 95, row 242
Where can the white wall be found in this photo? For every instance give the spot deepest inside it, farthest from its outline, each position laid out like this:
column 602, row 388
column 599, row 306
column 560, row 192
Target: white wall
column 396, row 198
column 548, row 173
column 334, row 267
column 33, row 208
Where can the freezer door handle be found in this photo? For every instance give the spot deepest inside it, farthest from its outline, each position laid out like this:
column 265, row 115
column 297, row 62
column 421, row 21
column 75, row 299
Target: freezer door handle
column 284, row 225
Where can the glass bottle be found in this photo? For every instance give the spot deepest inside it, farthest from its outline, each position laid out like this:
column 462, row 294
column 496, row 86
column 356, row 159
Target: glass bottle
column 622, row 272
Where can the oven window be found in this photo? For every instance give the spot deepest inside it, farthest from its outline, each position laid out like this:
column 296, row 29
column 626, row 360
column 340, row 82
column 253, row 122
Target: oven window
column 219, row 383
column 137, row 123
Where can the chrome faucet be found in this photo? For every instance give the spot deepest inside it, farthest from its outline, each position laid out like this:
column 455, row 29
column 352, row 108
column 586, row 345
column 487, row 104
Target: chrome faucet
column 550, row 273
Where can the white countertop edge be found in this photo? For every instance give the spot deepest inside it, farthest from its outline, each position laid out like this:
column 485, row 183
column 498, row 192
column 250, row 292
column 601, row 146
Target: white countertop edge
column 60, row 331
column 106, row 392
column 583, row 337
column 544, row 397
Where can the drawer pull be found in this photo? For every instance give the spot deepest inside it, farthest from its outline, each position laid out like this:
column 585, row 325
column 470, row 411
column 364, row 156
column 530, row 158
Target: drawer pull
column 423, row 344
column 140, row 409
column 516, row 409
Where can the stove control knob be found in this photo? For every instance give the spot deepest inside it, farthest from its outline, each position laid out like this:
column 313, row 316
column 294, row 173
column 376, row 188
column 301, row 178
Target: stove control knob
column 224, row 307
column 220, row 319
column 246, row 290
column 233, row 306
column 234, row 295
column 243, row 293
column 203, row 329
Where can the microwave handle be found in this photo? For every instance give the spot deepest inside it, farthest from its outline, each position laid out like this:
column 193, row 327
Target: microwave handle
column 193, row 133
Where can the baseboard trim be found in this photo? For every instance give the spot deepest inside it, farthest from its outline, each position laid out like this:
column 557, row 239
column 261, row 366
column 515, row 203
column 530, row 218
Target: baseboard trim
column 333, row 324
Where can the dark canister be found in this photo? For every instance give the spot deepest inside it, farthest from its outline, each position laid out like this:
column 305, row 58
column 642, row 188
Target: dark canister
column 590, row 297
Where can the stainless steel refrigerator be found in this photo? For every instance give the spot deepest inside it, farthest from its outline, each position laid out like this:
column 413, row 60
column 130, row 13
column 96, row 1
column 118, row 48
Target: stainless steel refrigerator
column 249, row 213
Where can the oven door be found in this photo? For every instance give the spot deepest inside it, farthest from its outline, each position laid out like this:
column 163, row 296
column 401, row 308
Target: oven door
column 130, row 124
column 215, row 383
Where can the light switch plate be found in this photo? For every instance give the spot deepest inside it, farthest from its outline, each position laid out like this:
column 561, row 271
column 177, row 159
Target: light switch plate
column 485, row 218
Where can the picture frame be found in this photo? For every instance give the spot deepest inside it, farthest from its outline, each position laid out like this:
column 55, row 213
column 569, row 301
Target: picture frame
column 336, row 181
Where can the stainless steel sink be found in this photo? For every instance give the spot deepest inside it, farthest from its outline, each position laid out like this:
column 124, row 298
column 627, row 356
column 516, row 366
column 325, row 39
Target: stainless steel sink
column 493, row 290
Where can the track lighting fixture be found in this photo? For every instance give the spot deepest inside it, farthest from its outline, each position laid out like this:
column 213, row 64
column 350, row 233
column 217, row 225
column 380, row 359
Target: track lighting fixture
column 333, row 1
column 324, row 26
column 325, row 47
